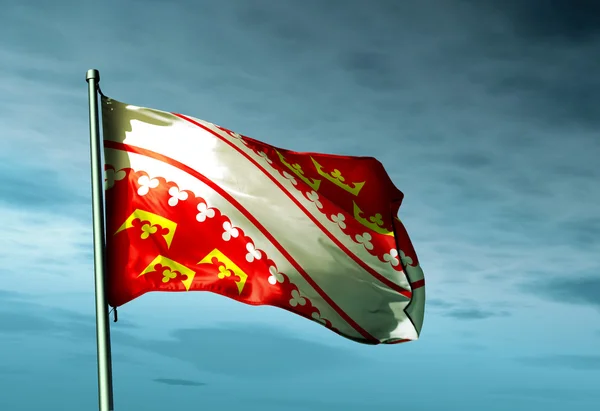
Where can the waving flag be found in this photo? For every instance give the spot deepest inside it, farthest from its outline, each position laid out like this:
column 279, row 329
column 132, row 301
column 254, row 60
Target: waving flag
column 194, row 206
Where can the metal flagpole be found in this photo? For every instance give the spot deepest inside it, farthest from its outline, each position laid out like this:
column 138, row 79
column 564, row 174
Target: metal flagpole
column 105, row 394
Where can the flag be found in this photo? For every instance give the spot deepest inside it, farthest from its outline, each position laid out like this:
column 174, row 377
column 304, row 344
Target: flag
column 193, row 206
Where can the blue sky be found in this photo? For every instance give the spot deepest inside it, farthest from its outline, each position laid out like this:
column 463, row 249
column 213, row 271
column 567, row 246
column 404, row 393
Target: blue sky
column 486, row 115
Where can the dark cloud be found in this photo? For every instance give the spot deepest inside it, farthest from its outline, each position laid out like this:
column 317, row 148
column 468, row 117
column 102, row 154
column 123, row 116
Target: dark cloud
column 471, row 160
column 536, row 60
column 241, row 349
column 180, row 382
column 10, row 371
column 553, row 20
column 582, row 232
column 576, row 170
column 14, row 321
column 373, row 70
column 9, row 296
column 279, row 24
column 574, row 290
column 566, row 98
column 302, row 403
column 574, row 362
column 36, row 188
column 435, row 302
column 472, row 347
column 547, row 393
column 233, row 349
column 474, row 314
column 19, row 314
column 90, row 359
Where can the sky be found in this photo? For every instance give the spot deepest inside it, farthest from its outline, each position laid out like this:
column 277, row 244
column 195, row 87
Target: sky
column 486, row 115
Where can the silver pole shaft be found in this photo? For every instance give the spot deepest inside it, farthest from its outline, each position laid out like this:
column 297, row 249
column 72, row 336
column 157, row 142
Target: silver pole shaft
column 105, row 400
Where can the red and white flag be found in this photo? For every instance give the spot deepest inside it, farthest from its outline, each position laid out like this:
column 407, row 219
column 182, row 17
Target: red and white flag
column 193, row 206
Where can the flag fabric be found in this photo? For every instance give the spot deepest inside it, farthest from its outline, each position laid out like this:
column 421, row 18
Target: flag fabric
column 192, row 206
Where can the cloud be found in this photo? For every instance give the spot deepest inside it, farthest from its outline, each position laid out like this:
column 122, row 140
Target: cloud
column 472, row 347
column 179, row 382
column 567, row 20
column 10, row 371
column 574, row 362
column 573, row 290
column 19, row 322
column 472, row 159
column 551, row 394
column 485, row 113
column 242, row 349
column 6, row 295
column 582, row 232
column 371, row 69
column 435, row 302
column 41, row 247
column 474, row 314
column 20, row 314
column 235, row 349
column 38, row 189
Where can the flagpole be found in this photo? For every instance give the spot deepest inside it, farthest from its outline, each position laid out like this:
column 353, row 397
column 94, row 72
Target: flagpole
column 105, row 394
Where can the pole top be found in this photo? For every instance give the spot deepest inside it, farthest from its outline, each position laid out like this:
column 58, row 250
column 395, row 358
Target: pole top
column 92, row 74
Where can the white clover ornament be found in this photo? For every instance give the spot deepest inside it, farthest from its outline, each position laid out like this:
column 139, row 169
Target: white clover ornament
column 230, row 231
column 238, row 137
column 392, row 257
column 339, row 219
column 405, row 258
column 110, row 176
column 317, row 317
column 176, row 196
column 265, row 157
column 253, row 253
column 275, row 277
column 365, row 240
column 231, row 133
column 146, row 183
column 297, row 299
column 204, row 212
column 290, row 177
column 314, row 197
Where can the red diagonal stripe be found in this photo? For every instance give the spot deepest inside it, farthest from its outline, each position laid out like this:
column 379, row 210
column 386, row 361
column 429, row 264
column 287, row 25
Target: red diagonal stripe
column 174, row 163
column 337, row 242
column 418, row 284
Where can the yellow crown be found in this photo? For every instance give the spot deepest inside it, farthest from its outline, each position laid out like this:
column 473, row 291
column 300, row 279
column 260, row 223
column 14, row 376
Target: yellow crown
column 172, row 266
column 375, row 222
column 154, row 219
column 336, row 178
column 297, row 169
column 230, row 267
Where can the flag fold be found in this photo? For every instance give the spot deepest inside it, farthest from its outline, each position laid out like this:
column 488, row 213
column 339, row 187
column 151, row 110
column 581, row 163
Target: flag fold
column 194, row 206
